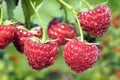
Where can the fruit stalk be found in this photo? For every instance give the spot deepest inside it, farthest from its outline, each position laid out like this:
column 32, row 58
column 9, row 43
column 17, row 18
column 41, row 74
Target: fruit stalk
column 75, row 14
column 65, row 12
column 44, row 36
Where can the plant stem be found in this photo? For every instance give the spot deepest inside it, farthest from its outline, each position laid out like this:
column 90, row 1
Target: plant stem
column 65, row 4
column 65, row 12
column 75, row 14
column 80, row 29
column 44, row 29
column 89, row 6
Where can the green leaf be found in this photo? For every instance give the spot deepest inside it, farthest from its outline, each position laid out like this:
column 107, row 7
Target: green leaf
column 11, row 4
column 114, row 5
column 28, row 10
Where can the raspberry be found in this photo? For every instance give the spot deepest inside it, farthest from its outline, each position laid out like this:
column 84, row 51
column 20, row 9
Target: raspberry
column 40, row 55
column 60, row 31
column 19, row 38
column 80, row 56
column 96, row 21
column 6, row 35
column 22, row 34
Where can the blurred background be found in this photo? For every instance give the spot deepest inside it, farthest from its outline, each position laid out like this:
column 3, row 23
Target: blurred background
column 14, row 66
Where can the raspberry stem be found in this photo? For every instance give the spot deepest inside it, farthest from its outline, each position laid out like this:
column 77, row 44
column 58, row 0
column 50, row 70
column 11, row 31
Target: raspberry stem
column 44, row 36
column 89, row 6
column 75, row 14
column 65, row 12
column 80, row 29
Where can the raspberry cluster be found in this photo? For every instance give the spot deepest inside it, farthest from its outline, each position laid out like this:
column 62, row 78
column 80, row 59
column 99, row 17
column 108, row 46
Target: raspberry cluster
column 78, row 55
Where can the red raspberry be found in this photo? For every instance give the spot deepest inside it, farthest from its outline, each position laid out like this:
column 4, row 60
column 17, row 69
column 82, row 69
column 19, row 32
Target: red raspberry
column 96, row 21
column 6, row 35
column 40, row 55
column 20, row 36
column 80, row 56
column 60, row 31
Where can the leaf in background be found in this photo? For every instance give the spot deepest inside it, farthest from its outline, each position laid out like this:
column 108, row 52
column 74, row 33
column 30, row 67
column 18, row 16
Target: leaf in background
column 114, row 5
column 11, row 4
column 74, row 3
column 28, row 10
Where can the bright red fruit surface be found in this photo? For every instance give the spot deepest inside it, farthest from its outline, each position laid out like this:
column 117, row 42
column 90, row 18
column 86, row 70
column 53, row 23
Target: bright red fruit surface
column 80, row 56
column 60, row 31
column 40, row 55
column 20, row 37
column 96, row 21
column 6, row 35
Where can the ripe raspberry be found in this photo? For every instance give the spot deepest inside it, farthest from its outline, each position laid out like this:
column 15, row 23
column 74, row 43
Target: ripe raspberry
column 80, row 56
column 6, row 35
column 40, row 55
column 22, row 34
column 19, row 38
column 96, row 21
column 60, row 31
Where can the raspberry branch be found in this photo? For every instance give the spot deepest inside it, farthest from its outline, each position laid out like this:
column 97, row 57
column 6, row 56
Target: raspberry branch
column 44, row 36
column 75, row 14
column 65, row 12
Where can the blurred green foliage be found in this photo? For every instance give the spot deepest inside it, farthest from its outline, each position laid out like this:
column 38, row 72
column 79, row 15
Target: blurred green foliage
column 13, row 65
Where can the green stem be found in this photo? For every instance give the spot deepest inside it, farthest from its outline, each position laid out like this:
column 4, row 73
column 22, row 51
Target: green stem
column 44, row 29
column 44, row 36
column 66, row 16
column 65, row 4
column 75, row 14
column 65, row 12
column 79, row 28
column 89, row 6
